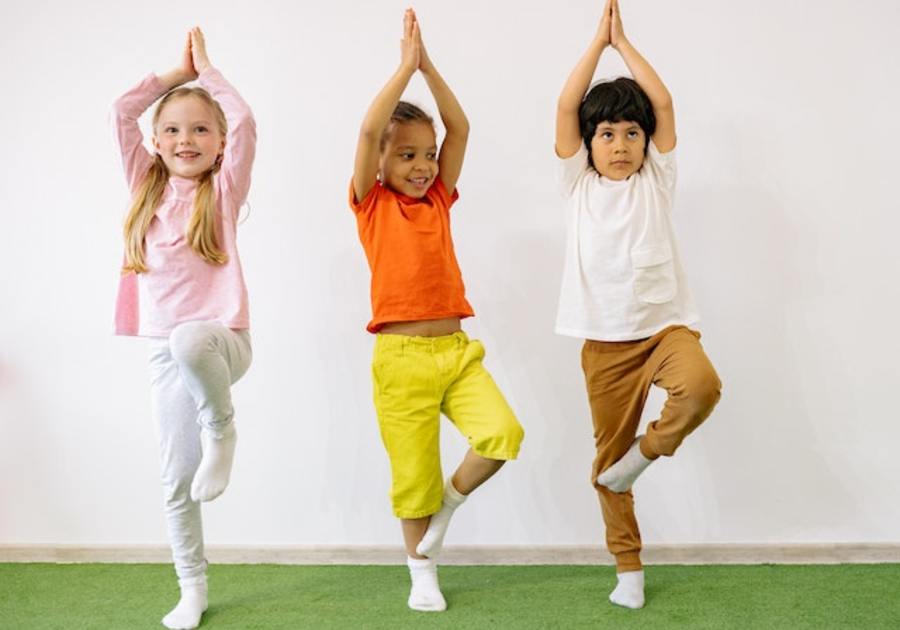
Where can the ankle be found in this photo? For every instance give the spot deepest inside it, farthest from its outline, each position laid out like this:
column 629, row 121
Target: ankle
column 453, row 498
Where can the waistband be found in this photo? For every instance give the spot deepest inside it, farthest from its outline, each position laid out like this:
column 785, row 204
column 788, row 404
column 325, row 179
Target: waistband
column 421, row 344
column 594, row 345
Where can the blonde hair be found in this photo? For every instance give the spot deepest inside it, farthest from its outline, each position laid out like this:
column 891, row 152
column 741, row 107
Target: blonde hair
column 201, row 231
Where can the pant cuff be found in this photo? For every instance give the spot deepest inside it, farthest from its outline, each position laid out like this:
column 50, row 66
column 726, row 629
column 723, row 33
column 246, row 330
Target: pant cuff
column 413, row 514
column 199, row 580
column 628, row 561
column 646, row 450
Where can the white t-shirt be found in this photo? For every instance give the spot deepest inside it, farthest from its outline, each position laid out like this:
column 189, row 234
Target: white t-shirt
column 623, row 278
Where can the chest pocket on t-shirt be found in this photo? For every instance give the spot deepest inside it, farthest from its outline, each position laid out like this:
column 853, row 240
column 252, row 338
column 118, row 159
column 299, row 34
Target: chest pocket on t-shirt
column 654, row 273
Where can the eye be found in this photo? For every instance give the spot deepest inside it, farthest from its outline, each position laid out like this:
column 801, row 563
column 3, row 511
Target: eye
column 201, row 129
column 407, row 155
column 431, row 155
column 170, row 130
column 606, row 135
column 633, row 135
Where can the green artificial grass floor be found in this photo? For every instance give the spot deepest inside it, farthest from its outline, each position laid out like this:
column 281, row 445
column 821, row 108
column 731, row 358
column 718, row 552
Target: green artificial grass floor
column 135, row 596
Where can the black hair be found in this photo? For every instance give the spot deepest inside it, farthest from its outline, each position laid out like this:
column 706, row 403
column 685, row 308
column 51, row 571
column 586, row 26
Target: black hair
column 405, row 112
column 615, row 101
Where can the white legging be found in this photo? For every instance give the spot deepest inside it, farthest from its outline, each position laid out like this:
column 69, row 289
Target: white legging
column 191, row 374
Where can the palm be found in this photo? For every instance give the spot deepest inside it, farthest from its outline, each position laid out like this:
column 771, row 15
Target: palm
column 616, row 34
column 424, row 59
column 186, row 67
column 603, row 30
column 409, row 45
column 198, row 50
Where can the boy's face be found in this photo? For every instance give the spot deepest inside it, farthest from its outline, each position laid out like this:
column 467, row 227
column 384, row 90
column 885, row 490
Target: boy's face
column 618, row 149
column 187, row 137
column 409, row 158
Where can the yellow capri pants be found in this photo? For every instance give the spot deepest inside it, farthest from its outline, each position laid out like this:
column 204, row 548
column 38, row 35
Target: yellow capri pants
column 415, row 379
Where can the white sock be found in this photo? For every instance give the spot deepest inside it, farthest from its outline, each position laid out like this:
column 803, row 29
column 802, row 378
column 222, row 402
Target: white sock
column 186, row 615
column 629, row 592
column 212, row 475
column 621, row 476
column 425, row 594
column 433, row 540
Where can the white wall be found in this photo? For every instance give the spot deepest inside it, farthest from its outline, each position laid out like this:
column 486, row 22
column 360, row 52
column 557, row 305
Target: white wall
column 787, row 214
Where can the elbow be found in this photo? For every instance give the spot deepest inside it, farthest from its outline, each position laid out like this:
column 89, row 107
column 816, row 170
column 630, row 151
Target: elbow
column 241, row 116
column 567, row 109
column 457, row 127
column 118, row 109
column 461, row 130
column 369, row 135
column 243, row 125
column 665, row 104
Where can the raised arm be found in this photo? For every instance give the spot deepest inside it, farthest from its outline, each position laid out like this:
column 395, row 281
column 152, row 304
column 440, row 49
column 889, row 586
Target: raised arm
column 568, row 128
column 646, row 77
column 129, row 107
column 453, row 148
column 240, row 142
column 185, row 71
column 365, row 167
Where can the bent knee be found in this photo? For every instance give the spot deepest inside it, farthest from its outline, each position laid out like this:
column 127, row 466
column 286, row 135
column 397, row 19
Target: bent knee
column 188, row 342
column 702, row 393
column 503, row 443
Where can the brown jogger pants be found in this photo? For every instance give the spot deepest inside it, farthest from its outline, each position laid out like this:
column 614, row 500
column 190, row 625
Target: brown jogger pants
column 618, row 376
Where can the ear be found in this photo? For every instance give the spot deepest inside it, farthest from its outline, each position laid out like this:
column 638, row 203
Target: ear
column 155, row 143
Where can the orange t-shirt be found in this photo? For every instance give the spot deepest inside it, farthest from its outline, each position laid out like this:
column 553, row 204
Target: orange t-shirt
column 415, row 275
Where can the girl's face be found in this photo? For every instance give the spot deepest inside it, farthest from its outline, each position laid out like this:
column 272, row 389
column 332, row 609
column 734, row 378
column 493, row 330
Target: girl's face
column 187, row 137
column 617, row 149
column 408, row 161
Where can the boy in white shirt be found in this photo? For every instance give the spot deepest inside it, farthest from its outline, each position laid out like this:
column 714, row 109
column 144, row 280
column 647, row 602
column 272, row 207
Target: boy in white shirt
column 624, row 289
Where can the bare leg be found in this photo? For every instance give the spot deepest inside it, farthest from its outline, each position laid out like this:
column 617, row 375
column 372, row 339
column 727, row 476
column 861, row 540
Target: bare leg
column 472, row 472
column 413, row 530
column 425, row 593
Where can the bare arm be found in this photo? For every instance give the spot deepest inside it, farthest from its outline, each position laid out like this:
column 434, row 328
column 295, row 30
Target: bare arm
column 646, row 77
column 453, row 148
column 568, row 128
column 365, row 167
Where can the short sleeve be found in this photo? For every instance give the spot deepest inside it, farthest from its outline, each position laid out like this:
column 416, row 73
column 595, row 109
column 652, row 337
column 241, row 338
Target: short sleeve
column 367, row 203
column 437, row 193
column 662, row 167
column 571, row 170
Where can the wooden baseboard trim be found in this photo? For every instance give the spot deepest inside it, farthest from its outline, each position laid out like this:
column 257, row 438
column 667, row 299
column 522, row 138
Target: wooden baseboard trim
column 839, row 553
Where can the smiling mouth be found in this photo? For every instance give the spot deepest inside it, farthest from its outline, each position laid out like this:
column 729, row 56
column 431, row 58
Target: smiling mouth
column 187, row 155
column 418, row 181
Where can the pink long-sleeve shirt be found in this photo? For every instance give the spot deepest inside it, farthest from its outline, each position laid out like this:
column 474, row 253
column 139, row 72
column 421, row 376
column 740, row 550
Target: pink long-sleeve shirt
column 180, row 286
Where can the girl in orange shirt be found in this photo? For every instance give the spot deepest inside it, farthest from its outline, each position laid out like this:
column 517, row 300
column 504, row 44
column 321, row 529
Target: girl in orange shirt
column 423, row 364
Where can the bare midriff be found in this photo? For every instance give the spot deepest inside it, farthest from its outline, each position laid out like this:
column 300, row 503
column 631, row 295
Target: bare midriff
column 423, row 328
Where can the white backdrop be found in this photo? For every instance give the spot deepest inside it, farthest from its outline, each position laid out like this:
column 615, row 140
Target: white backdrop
column 787, row 216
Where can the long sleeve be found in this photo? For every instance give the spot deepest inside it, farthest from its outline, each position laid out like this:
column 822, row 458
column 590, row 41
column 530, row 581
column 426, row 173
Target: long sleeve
column 126, row 110
column 240, row 142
